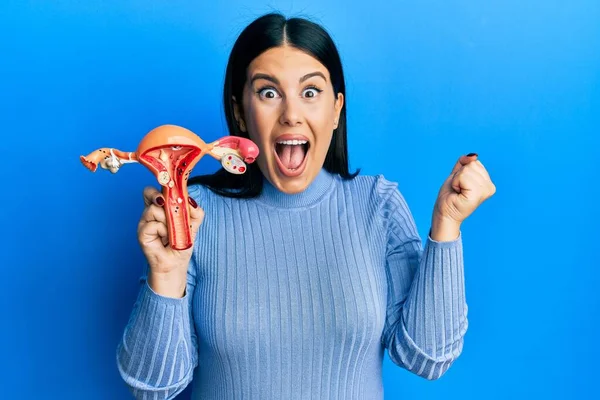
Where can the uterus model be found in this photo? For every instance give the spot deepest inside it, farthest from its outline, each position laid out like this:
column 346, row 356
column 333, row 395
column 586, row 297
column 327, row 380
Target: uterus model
column 170, row 152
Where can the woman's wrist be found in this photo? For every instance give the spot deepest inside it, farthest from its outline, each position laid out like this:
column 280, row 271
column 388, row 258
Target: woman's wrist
column 444, row 229
column 170, row 284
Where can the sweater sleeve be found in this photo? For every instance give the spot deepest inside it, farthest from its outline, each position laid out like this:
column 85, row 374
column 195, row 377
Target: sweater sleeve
column 426, row 318
column 158, row 351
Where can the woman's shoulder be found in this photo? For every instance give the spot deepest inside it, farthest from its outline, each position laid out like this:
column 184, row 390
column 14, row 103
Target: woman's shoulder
column 376, row 187
column 199, row 192
column 205, row 195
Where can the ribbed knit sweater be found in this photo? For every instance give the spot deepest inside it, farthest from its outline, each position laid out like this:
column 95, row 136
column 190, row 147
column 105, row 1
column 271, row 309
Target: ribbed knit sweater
column 299, row 297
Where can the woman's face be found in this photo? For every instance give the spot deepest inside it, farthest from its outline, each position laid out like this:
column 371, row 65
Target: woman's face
column 290, row 112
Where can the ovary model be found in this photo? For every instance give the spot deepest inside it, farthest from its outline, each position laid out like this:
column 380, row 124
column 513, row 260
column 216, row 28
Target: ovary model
column 170, row 152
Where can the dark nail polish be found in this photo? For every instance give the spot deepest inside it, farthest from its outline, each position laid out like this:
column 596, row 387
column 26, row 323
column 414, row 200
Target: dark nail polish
column 471, row 154
column 160, row 201
column 193, row 202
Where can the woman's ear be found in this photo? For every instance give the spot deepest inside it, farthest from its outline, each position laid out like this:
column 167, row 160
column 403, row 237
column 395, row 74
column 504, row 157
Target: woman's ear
column 339, row 103
column 237, row 115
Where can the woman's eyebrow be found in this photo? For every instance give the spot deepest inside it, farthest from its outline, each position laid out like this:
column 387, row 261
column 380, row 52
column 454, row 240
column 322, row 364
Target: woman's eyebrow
column 316, row 73
column 276, row 81
column 265, row 77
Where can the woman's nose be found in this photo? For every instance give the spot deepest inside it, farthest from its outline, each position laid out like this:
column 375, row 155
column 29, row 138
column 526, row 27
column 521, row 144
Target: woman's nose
column 291, row 113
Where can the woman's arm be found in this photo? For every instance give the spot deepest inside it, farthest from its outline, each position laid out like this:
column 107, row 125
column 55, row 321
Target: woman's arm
column 426, row 318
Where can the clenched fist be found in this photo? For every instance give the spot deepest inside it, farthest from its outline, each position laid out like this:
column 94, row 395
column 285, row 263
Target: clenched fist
column 468, row 186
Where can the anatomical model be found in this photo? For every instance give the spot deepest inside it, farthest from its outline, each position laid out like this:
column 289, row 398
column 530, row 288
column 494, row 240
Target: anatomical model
column 170, row 152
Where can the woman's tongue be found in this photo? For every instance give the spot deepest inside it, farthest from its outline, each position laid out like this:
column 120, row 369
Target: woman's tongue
column 291, row 156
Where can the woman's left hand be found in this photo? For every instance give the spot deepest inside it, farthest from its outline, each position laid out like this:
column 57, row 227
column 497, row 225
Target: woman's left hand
column 468, row 186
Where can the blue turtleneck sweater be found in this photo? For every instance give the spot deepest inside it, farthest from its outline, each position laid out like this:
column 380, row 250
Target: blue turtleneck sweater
column 299, row 297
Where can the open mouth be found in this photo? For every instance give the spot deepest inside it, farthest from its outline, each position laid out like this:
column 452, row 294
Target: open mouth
column 291, row 156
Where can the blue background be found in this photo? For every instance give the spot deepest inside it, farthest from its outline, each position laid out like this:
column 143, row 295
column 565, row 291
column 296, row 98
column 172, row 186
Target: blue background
column 516, row 81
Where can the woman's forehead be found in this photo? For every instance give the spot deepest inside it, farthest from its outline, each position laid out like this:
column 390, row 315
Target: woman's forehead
column 286, row 63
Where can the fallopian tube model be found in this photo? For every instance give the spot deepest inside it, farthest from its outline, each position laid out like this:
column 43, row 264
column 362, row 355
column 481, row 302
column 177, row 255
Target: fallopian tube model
column 170, row 152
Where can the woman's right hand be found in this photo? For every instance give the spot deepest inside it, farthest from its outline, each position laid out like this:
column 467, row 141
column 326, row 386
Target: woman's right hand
column 168, row 267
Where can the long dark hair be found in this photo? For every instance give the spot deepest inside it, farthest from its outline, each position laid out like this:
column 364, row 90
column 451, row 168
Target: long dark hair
column 273, row 30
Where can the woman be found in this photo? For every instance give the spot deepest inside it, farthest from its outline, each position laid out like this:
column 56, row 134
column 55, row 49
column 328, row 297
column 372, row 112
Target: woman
column 302, row 274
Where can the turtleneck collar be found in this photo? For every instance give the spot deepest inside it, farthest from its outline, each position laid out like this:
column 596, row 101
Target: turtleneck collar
column 318, row 188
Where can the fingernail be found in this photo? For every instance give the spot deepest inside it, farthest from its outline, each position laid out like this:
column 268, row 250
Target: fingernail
column 193, row 202
column 160, row 201
column 471, row 154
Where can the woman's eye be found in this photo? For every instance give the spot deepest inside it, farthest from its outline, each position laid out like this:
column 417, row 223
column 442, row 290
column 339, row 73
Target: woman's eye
column 267, row 93
column 311, row 92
